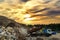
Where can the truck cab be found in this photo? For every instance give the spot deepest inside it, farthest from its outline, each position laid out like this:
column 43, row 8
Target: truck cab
column 49, row 32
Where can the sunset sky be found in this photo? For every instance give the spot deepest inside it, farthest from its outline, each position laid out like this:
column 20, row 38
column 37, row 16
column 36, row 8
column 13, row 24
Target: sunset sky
column 31, row 11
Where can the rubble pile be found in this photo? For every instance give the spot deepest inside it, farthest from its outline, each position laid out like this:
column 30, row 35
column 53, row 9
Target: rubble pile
column 11, row 33
column 7, row 33
column 10, row 30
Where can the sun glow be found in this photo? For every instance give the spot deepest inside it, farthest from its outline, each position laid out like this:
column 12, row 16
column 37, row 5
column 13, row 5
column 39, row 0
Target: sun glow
column 27, row 16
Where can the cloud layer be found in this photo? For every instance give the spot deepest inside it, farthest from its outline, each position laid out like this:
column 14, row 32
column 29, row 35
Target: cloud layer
column 40, row 11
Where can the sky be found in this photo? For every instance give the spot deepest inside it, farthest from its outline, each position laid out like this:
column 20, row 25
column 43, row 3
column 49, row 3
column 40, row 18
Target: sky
column 31, row 11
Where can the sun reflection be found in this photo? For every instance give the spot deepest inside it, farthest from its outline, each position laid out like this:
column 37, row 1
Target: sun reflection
column 27, row 15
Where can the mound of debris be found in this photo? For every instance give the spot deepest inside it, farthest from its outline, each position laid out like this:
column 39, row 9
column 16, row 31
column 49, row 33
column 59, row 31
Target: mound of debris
column 11, row 30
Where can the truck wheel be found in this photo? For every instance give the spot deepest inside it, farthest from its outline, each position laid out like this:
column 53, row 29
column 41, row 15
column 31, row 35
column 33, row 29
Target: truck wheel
column 47, row 35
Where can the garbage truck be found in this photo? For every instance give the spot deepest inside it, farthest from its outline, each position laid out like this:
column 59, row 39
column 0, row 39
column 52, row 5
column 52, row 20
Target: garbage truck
column 39, row 31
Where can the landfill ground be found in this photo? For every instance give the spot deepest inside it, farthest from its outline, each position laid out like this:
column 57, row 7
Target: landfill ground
column 53, row 37
column 14, row 34
column 11, row 34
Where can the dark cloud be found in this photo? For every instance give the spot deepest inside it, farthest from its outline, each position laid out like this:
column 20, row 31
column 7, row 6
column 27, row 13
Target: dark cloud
column 47, row 1
column 35, row 11
column 50, row 14
column 24, row 0
column 53, row 13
